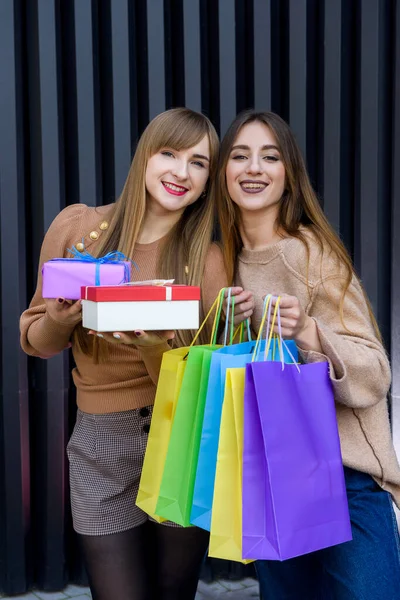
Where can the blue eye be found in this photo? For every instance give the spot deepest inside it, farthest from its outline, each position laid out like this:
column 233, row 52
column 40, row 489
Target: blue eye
column 167, row 153
column 199, row 164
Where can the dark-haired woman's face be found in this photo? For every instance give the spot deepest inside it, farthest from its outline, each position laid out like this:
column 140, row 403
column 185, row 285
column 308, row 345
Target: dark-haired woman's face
column 255, row 174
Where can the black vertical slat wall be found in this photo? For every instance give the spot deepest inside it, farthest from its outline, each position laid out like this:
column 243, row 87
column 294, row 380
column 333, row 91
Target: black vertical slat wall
column 79, row 81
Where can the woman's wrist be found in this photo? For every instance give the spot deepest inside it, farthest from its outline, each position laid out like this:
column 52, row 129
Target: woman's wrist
column 308, row 338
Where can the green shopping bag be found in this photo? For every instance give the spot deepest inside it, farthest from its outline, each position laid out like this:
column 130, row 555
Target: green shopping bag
column 177, row 484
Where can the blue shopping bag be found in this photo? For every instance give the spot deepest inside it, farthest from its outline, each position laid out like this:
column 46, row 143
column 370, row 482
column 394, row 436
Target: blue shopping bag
column 235, row 356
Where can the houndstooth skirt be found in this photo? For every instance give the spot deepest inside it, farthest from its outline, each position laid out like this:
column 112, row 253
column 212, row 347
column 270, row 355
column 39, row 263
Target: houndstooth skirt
column 106, row 455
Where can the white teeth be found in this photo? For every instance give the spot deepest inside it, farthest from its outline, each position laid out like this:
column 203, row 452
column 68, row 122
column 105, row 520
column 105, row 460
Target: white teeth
column 175, row 188
column 254, row 186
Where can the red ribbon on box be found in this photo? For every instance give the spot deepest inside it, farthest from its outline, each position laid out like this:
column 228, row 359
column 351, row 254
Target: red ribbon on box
column 139, row 293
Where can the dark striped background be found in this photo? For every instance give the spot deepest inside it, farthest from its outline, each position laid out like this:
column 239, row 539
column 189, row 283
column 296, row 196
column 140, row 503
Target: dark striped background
column 79, row 80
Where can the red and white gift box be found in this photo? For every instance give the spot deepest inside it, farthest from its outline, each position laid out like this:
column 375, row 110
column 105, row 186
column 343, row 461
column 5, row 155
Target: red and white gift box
column 147, row 307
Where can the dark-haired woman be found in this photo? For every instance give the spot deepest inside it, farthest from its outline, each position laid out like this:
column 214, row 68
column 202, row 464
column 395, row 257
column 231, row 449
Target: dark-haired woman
column 276, row 239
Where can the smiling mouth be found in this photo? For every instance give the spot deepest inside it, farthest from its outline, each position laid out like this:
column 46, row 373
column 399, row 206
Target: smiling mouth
column 175, row 190
column 253, row 187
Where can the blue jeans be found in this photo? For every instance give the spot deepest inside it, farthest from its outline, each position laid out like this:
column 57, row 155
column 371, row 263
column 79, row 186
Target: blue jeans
column 367, row 568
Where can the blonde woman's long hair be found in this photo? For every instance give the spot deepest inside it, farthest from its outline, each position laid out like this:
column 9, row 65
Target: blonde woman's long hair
column 299, row 205
column 185, row 248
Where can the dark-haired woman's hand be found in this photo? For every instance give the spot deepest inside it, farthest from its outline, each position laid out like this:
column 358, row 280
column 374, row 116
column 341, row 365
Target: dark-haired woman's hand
column 244, row 304
column 65, row 312
column 296, row 324
column 136, row 338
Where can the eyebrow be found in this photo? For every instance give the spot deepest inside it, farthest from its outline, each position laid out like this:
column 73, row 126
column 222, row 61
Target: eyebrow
column 201, row 156
column 244, row 147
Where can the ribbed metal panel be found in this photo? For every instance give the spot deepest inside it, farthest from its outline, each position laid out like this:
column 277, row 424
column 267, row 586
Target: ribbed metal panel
column 79, row 80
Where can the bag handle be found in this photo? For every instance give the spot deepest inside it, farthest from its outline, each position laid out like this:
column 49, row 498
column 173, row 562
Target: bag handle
column 229, row 309
column 240, row 330
column 281, row 341
column 267, row 302
column 217, row 307
column 269, row 334
column 217, row 317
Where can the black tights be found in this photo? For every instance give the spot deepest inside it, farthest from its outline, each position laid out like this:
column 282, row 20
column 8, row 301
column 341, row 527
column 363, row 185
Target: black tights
column 149, row 562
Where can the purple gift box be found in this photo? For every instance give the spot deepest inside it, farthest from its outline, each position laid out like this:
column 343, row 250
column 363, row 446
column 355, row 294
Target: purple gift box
column 64, row 277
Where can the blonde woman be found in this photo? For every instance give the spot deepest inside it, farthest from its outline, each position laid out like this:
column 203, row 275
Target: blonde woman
column 163, row 221
column 277, row 240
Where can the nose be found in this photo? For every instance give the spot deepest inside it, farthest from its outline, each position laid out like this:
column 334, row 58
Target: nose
column 254, row 166
column 180, row 169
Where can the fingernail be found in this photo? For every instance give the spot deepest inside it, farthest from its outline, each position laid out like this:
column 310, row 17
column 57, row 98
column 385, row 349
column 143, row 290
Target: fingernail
column 117, row 336
column 90, row 333
column 138, row 333
column 100, row 335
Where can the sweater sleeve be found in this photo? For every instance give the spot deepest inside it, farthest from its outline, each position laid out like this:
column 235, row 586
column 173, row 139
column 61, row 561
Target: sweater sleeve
column 359, row 367
column 214, row 278
column 40, row 334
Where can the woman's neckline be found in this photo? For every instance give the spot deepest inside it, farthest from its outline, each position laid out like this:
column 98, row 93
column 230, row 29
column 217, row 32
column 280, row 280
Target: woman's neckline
column 148, row 246
column 265, row 253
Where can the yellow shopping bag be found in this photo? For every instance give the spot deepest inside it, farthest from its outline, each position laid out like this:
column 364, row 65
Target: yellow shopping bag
column 226, row 519
column 169, row 385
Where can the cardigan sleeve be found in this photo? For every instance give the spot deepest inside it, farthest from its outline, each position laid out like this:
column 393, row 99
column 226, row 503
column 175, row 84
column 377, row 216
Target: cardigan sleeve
column 215, row 277
column 40, row 334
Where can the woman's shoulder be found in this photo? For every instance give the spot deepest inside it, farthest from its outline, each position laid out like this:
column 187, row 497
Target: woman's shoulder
column 214, row 255
column 89, row 214
column 312, row 257
column 70, row 217
column 81, row 224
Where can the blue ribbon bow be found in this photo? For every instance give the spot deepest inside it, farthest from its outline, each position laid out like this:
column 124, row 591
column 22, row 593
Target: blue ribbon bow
column 117, row 257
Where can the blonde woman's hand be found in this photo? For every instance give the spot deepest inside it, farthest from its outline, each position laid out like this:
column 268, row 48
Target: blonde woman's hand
column 244, row 304
column 65, row 312
column 137, row 338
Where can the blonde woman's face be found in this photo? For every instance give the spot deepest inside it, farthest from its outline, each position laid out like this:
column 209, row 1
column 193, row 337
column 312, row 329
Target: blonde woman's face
column 177, row 178
column 255, row 174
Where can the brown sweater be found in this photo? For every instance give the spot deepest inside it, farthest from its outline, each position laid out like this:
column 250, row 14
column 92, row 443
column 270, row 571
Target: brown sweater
column 359, row 367
column 127, row 380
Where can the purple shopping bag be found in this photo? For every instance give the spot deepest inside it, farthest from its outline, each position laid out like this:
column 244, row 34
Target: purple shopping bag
column 294, row 495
